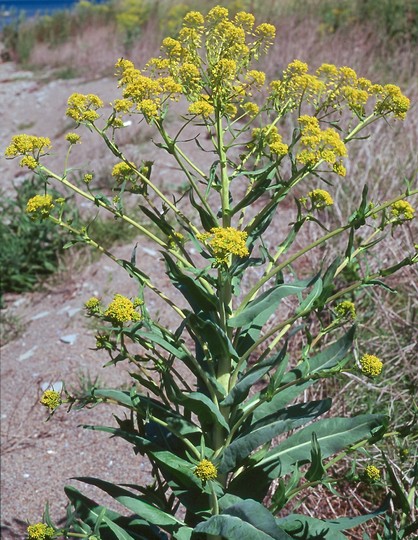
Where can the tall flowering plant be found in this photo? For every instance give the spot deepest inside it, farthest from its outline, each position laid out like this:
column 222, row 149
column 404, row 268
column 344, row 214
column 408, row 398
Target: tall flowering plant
column 218, row 400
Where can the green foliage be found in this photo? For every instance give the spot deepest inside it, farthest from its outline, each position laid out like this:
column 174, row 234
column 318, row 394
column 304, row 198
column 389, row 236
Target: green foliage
column 30, row 251
column 218, row 401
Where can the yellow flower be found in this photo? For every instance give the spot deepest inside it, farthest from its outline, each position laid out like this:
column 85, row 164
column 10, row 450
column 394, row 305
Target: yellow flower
column 320, row 198
column 320, row 145
column 122, row 171
column 402, row 211
column 226, row 241
column 83, row 107
column 121, row 310
column 252, row 109
column 201, row 107
column 27, row 144
column 39, row 206
column 87, row 178
column 73, row 138
column 372, row 473
column 391, row 100
column 93, row 305
column 51, row 399
column 346, row 309
column 206, row 470
column 39, row 531
column 29, row 162
column 371, row 365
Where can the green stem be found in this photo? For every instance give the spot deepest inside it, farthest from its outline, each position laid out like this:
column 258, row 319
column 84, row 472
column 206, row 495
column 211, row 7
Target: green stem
column 252, row 293
column 103, row 250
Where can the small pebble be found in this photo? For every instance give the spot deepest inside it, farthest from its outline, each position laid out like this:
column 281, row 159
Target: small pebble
column 40, row 315
column 27, row 354
column 70, row 339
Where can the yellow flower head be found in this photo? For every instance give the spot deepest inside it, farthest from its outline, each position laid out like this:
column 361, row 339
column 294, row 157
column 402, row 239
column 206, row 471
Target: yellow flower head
column 83, row 107
column 320, row 145
column 124, row 171
column 121, row 310
column 392, row 101
column 73, row 138
column 93, row 305
column 371, row 365
column 27, row 144
column 372, row 473
column 346, row 310
column 40, row 531
column 320, row 198
column 402, row 211
column 39, row 206
column 201, row 107
column 226, row 241
column 51, row 399
column 206, row 470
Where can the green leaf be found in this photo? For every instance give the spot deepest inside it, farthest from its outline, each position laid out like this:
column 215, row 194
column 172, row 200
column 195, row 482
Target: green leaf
column 253, row 317
column 184, row 533
column 198, row 297
column 401, row 498
column 245, row 520
column 214, row 336
column 309, row 301
column 240, row 391
column 204, row 408
column 290, row 418
column 134, row 503
column 207, row 219
column 333, row 434
column 120, row 533
column 316, row 471
column 293, row 522
column 259, row 310
column 326, row 359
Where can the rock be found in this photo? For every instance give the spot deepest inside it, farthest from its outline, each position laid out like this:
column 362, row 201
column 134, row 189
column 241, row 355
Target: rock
column 70, row 339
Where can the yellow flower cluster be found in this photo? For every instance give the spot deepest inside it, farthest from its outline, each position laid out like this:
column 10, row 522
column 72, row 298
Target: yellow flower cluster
column 146, row 93
column 226, row 241
column 372, row 473
column 391, row 100
column 320, row 198
column 206, row 470
column 122, row 171
column 201, row 107
column 402, row 211
column 51, row 399
column 30, row 147
column 208, row 63
column 346, row 309
column 39, row 206
column 73, row 138
column 40, row 531
column 83, row 107
column 93, row 305
column 332, row 87
column 371, row 365
column 121, row 310
column 320, row 145
column 268, row 136
column 296, row 83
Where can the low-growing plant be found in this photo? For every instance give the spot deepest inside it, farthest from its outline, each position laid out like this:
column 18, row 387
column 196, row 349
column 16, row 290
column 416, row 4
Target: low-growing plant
column 217, row 402
column 30, row 250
